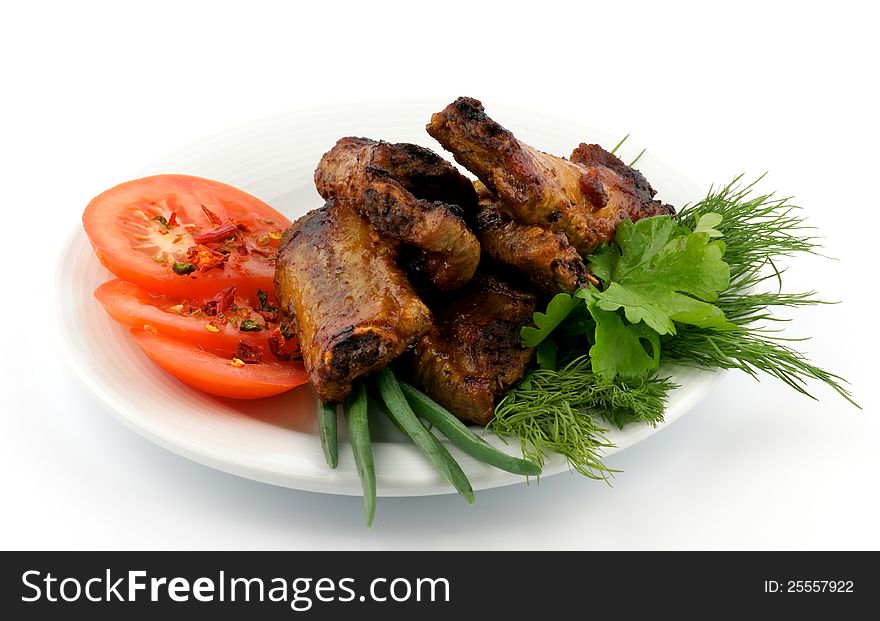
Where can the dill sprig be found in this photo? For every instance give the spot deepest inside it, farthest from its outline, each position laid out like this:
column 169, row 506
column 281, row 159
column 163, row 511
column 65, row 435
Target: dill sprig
column 757, row 230
column 752, row 350
column 558, row 411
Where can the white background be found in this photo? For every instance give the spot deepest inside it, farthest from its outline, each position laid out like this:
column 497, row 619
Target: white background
column 92, row 92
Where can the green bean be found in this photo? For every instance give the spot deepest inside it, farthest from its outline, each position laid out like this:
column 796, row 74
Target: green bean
column 462, row 437
column 402, row 414
column 359, row 435
column 327, row 431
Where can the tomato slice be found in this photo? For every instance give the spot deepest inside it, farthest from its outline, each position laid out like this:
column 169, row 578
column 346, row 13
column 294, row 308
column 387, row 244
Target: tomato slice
column 217, row 375
column 185, row 320
column 185, row 236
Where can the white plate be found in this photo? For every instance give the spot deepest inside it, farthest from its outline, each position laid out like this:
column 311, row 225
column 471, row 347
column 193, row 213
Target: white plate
column 274, row 440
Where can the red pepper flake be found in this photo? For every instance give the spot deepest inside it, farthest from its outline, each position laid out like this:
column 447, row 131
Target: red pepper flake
column 213, row 218
column 241, row 226
column 250, row 354
column 172, row 220
column 269, row 315
column 220, row 303
column 204, row 258
column 217, row 234
column 283, row 348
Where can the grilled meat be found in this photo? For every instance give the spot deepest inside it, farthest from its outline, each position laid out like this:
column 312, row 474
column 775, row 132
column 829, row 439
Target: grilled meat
column 584, row 198
column 594, row 156
column 473, row 353
column 353, row 308
column 546, row 258
column 410, row 194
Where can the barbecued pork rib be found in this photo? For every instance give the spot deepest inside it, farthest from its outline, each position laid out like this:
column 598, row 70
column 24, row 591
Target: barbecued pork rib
column 410, row 194
column 354, row 310
column 544, row 257
column 586, row 202
column 474, row 351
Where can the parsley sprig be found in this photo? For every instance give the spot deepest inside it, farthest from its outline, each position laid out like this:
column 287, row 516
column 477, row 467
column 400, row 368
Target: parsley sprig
column 658, row 275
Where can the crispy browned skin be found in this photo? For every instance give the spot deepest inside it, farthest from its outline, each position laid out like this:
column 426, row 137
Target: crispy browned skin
column 473, row 353
column 410, row 194
column 593, row 156
column 354, row 309
column 586, row 202
column 544, row 257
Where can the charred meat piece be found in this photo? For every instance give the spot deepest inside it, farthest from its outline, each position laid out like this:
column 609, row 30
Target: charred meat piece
column 474, row 352
column 353, row 309
column 583, row 201
column 409, row 194
column 594, row 156
column 546, row 258
column 423, row 173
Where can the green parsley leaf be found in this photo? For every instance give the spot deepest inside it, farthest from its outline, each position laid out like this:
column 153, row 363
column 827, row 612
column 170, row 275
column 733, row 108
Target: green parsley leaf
column 249, row 325
column 666, row 274
column 546, row 353
column 578, row 323
column 603, row 260
column 619, row 349
column 557, row 310
column 707, row 223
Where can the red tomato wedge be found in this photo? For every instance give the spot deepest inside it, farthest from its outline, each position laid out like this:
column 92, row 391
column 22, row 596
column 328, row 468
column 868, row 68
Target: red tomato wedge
column 174, row 317
column 185, row 236
column 218, row 375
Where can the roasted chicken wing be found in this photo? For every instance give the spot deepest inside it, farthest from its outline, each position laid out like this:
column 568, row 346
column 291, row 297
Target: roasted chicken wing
column 546, row 258
column 474, row 353
column 584, row 198
column 409, row 194
column 353, row 308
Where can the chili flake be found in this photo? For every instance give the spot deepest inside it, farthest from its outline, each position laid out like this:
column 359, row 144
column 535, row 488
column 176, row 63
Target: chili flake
column 250, row 354
column 213, row 218
column 217, row 234
column 204, row 258
column 220, row 303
